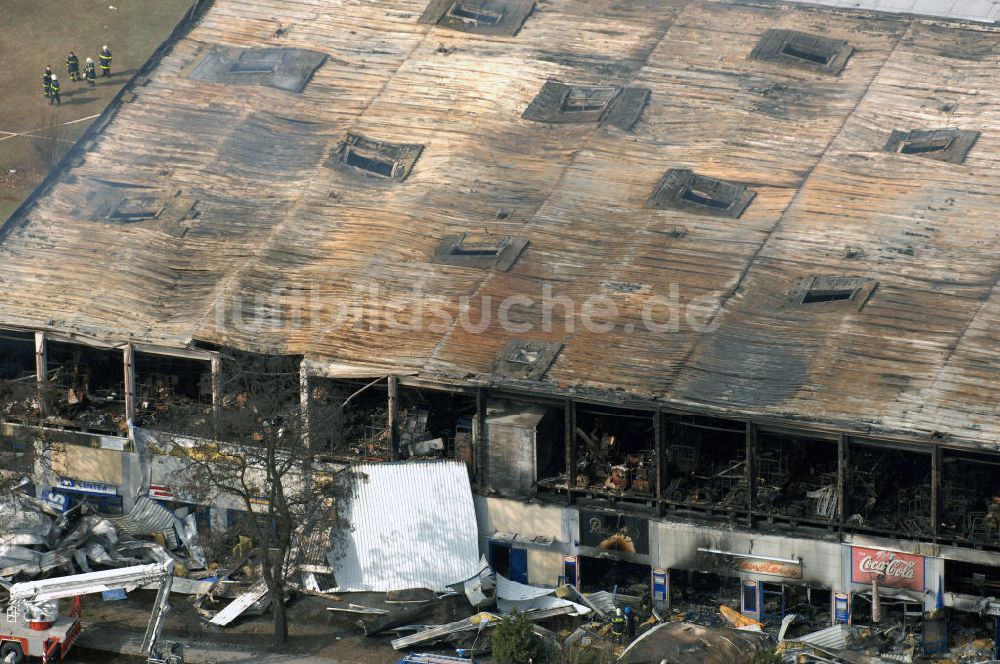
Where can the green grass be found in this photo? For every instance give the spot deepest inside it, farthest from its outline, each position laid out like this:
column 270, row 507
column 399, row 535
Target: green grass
column 34, row 33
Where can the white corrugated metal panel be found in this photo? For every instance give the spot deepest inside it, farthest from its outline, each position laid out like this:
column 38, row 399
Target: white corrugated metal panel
column 986, row 11
column 837, row 637
column 413, row 526
column 146, row 518
column 236, row 608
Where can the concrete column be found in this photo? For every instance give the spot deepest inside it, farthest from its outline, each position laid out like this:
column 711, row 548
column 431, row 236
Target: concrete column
column 393, row 418
column 129, row 360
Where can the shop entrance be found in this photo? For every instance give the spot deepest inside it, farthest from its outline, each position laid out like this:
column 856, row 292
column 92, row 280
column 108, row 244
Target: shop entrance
column 615, row 576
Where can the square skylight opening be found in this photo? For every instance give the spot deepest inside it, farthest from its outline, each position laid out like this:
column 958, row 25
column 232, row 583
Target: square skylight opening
column 526, row 359
column 808, row 52
column 474, row 13
column 371, row 163
column 480, row 250
column 481, row 245
column 801, row 49
column 525, row 356
column 139, row 209
column 257, row 61
column 683, row 189
column 833, row 291
column 951, row 145
column 481, row 17
column 586, row 99
column 922, row 146
column 364, row 157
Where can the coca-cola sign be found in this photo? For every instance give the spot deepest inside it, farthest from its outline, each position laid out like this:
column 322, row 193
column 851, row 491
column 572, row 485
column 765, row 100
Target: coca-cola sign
column 894, row 570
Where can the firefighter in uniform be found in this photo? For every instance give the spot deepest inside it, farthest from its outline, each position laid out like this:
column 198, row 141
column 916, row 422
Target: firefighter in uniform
column 105, row 59
column 54, row 91
column 47, row 80
column 618, row 626
column 89, row 71
column 73, row 66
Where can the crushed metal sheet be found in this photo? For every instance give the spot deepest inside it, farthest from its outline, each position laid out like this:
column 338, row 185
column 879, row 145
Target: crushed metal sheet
column 481, row 17
column 687, row 643
column 288, row 69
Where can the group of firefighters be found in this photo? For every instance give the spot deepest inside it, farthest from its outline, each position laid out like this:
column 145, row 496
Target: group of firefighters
column 50, row 82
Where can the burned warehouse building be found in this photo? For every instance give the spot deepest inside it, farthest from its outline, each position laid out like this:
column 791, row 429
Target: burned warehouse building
column 702, row 293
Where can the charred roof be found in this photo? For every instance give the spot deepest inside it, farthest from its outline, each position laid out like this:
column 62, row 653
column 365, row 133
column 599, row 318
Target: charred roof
column 857, row 290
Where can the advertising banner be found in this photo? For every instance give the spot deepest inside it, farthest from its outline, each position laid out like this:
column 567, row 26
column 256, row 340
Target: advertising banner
column 894, row 570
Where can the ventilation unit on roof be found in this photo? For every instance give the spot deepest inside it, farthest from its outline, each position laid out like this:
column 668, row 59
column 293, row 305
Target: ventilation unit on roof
column 364, row 157
column 482, row 17
column 682, row 189
column 607, row 104
column 801, row 49
column 833, row 291
column 526, row 360
column 484, row 251
column 951, row 145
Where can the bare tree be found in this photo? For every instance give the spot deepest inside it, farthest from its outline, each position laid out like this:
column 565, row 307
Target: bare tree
column 25, row 448
column 264, row 462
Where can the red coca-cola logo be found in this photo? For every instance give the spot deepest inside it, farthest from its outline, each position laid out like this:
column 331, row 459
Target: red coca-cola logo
column 898, row 570
column 890, row 566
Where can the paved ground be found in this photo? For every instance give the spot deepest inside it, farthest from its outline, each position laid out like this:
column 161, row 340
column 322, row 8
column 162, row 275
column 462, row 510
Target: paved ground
column 317, row 635
column 34, row 33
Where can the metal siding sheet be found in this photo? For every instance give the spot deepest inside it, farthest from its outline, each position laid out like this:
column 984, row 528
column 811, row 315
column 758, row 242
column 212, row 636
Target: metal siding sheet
column 413, row 525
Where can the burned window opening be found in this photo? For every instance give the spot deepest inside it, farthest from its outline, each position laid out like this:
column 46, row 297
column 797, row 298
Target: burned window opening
column 431, row 423
column 796, row 478
column 17, row 355
column 950, row 145
column 87, row 388
column 374, row 160
column 888, row 491
column 612, row 105
column 482, row 17
column 173, row 394
column 833, row 290
column 616, row 452
column 683, row 189
column 526, row 360
column 706, row 464
column 805, row 50
column 480, row 250
column 970, row 485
